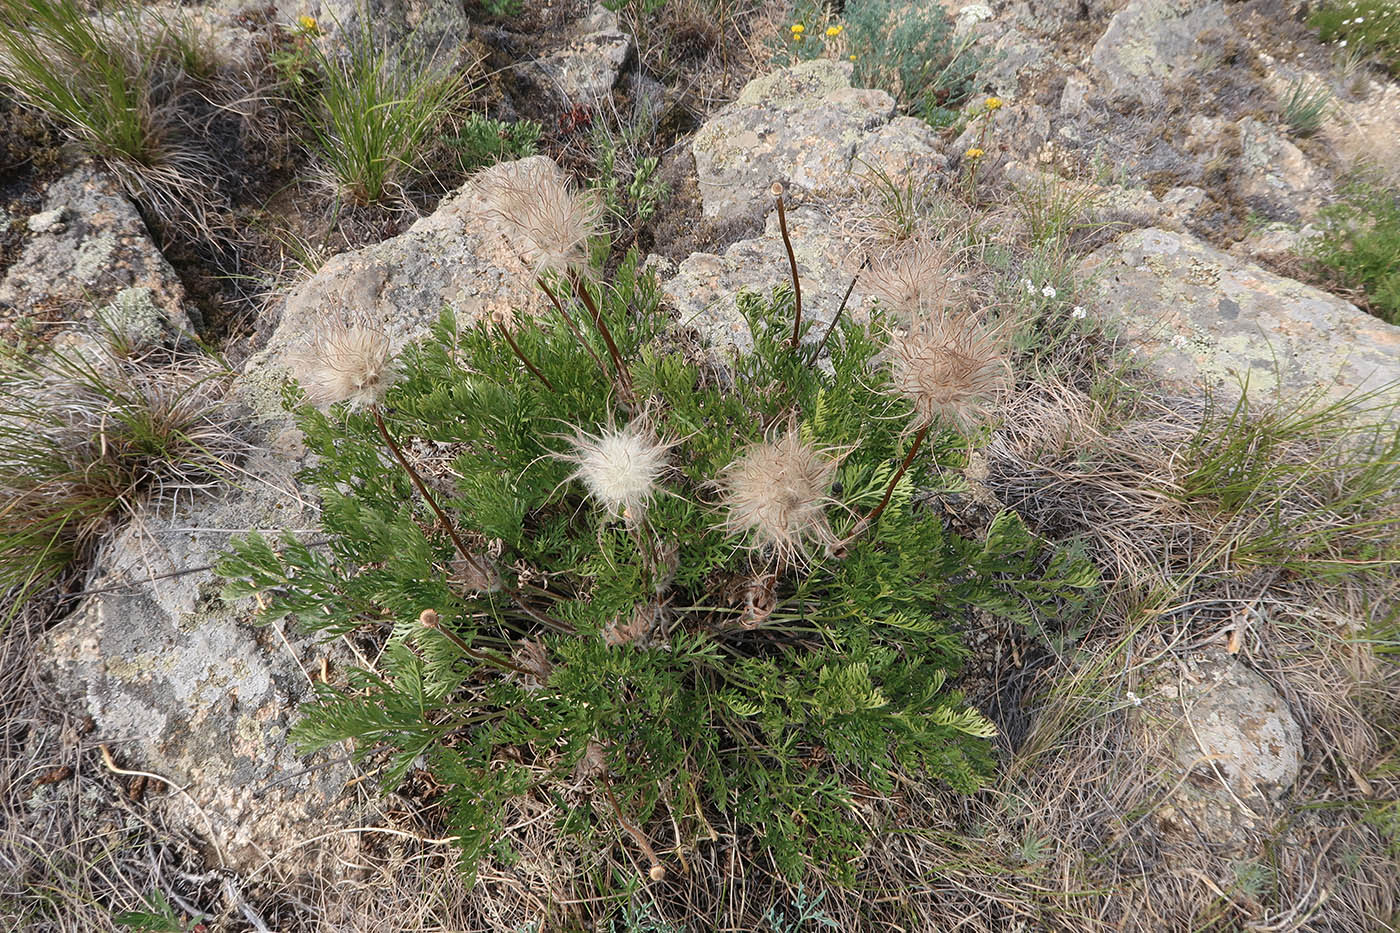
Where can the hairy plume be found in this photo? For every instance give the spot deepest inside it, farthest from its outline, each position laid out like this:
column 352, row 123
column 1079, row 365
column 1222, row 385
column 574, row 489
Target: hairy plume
column 549, row 219
column 777, row 493
column 620, row 467
column 345, row 361
column 951, row 368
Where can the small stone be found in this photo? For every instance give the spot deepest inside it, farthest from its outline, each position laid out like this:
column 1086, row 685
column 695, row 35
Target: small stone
column 1227, row 744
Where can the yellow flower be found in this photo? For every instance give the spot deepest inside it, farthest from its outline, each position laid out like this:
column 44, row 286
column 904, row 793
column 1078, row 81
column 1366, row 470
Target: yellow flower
column 852, row 57
column 797, row 29
column 994, row 103
column 833, row 31
column 307, row 23
column 975, row 153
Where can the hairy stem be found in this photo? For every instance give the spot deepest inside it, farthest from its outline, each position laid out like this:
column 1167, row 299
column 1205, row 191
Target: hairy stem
column 447, row 523
column 569, row 323
column 658, row 871
column 835, row 318
column 428, row 618
column 581, row 290
column 869, row 520
column 792, row 264
column 520, row 355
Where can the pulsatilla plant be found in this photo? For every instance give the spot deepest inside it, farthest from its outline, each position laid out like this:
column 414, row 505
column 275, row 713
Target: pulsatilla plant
column 672, row 589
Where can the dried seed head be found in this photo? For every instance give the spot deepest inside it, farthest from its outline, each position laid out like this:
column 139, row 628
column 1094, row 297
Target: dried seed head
column 552, row 221
column 532, row 656
column 951, row 369
column 620, row 467
column 777, row 492
column 913, row 276
column 345, row 362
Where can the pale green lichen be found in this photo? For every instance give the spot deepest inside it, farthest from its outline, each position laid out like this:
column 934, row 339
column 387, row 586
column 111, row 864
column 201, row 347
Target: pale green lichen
column 93, row 256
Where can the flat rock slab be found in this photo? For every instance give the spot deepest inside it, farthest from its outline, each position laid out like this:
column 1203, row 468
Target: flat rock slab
column 1149, row 42
column 181, row 683
column 800, row 126
column 87, row 247
column 1206, row 319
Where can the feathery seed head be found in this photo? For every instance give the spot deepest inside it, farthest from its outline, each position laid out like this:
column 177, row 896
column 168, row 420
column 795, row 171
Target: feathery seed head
column 911, row 277
column 620, row 467
column 950, row 368
column 777, row 491
column 345, row 362
column 552, row 221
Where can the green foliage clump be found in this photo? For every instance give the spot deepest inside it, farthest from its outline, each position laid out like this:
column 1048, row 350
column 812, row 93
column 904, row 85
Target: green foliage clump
column 909, row 50
column 482, row 141
column 1306, row 107
column 1360, row 246
column 1371, row 27
column 678, row 670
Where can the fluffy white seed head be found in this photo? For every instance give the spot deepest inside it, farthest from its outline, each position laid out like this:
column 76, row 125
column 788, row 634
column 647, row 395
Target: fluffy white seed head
column 551, row 221
column 620, row 467
column 345, row 362
column 951, row 368
column 777, row 493
column 913, row 276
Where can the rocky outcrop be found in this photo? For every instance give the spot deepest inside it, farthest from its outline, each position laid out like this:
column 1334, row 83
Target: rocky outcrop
column 800, row 127
column 1228, row 745
column 704, row 287
column 87, row 249
column 586, row 68
column 1205, row 319
column 1151, row 42
column 833, row 148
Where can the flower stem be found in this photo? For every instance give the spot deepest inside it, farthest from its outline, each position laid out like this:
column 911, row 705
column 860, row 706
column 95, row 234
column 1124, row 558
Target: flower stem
column 569, row 323
column 792, row 265
column 581, row 290
column 447, row 523
column 835, row 318
column 869, row 520
column 520, row 355
column 429, row 619
column 657, row 870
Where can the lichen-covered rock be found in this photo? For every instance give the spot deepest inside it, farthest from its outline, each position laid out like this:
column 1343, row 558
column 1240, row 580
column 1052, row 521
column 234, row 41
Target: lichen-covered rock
column 586, row 68
column 1226, row 741
column 422, row 31
column 454, row 257
column 1278, row 180
column 799, row 127
column 85, row 248
column 177, row 679
column 1204, row 318
column 905, row 149
column 180, row 683
column 1151, row 42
